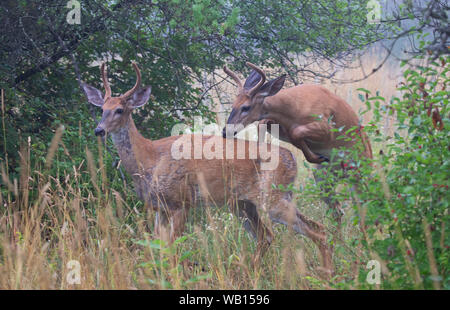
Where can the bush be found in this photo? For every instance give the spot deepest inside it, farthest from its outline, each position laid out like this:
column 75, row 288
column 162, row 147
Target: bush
column 401, row 206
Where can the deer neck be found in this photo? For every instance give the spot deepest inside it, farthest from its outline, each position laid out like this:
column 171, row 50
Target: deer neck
column 271, row 110
column 129, row 144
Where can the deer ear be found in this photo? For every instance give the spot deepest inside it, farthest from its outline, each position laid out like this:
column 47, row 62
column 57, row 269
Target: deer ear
column 94, row 96
column 272, row 87
column 141, row 96
column 252, row 80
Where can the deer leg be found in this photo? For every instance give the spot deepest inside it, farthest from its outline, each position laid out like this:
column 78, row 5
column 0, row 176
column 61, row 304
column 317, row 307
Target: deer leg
column 161, row 226
column 312, row 131
column 170, row 224
column 254, row 225
column 328, row 189
column 282, row 133
column 177, row 223
column 309, row 155
column 287, row 214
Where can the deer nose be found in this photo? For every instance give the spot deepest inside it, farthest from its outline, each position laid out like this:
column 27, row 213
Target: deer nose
column 99, row 132
column 230, row 131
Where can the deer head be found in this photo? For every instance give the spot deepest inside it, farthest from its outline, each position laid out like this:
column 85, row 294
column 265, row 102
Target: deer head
column 248, row 105
column 116, row 110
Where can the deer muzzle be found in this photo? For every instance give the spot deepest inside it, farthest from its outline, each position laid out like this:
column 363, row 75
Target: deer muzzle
column 231, row 130
column 99, row 131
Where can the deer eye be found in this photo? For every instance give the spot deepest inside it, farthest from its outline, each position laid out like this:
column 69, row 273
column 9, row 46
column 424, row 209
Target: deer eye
column 245, row 108
column 119, row 111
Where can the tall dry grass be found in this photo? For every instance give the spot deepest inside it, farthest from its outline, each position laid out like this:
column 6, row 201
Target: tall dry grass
column 48, row 220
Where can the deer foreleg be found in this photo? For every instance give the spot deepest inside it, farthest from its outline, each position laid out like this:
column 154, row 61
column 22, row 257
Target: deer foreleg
column 327, row 186
column 282, row 133
column 286, row 213
column 313, row 131
column 170, row 225
column 254, row 225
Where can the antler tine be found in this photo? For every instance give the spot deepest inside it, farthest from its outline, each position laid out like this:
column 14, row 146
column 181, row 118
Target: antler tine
column 263, row 77
column 138, row 81
column 233, row 76
column 105, row 81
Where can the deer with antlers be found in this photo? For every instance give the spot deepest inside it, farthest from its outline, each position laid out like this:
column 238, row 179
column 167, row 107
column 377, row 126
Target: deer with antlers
column 306, row 114
column 171, row 186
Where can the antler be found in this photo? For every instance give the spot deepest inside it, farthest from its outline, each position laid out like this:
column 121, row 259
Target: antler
column 138, row 81
column 233, row 76
column 105, row 82
column 261, row 82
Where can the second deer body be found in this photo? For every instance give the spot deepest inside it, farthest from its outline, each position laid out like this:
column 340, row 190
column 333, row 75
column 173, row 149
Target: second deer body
column 309, row 116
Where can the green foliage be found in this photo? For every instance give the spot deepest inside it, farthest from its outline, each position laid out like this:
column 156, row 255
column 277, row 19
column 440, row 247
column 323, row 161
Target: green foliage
column 401, row 198
column 414, row 180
